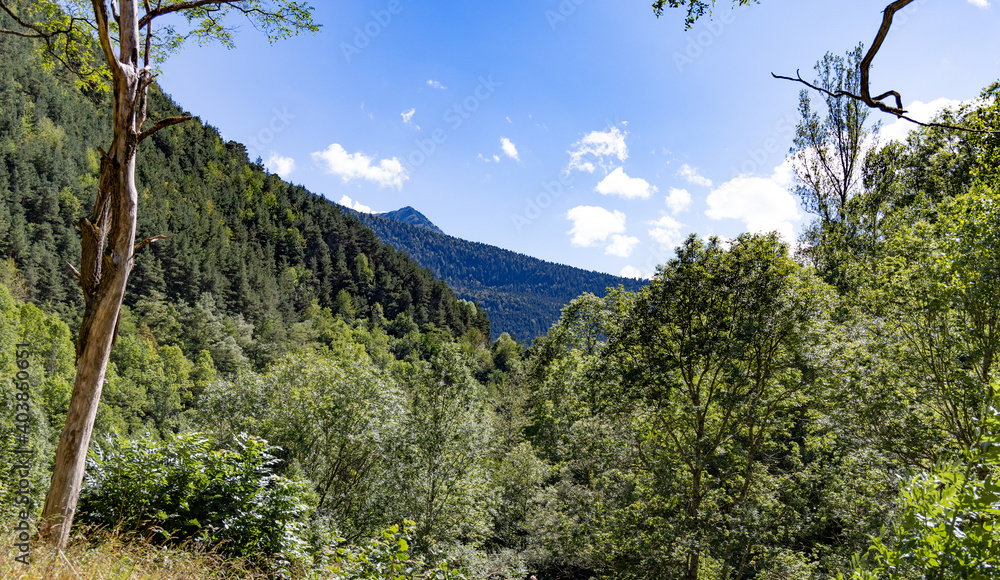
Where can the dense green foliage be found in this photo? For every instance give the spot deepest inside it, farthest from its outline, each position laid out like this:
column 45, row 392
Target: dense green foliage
column 521, row 295
column 948, row 527
column 284, row 386
column 184, row 490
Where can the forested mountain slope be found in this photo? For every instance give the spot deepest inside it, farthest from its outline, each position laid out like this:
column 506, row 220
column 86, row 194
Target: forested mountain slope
column 263, row 249
column 522, row 296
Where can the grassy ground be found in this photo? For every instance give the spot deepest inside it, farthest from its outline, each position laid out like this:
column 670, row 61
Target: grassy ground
column 110, row 557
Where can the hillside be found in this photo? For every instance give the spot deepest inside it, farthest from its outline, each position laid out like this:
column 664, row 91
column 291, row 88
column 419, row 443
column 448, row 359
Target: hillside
column 257, row 249
column 522, row 295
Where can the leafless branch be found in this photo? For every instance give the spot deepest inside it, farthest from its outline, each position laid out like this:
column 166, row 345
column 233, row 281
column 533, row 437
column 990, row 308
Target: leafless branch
column 150, row 240
column 865, row 66
column 73, row 270
column 898, row 112
column 21, row 34
column 162, row 124
column 149, row 35
column 104, row 34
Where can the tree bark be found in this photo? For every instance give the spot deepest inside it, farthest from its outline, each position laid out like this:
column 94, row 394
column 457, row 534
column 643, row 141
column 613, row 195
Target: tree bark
column 108, row 244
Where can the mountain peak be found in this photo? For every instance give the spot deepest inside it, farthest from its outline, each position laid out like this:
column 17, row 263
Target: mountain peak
column 409, row 215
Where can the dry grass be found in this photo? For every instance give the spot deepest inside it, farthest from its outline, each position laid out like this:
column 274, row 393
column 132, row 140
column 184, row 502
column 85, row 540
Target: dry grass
column 104, row 556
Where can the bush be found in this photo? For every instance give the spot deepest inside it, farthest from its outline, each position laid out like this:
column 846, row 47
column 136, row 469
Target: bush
column 388, row 556
column 184, row 490
column 950, row 518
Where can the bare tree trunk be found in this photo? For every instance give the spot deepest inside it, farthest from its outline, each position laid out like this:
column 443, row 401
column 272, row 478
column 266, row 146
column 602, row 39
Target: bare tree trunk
column 108, row 244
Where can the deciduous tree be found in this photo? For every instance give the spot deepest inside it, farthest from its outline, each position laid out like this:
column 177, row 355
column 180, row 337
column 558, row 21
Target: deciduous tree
column 709, row 357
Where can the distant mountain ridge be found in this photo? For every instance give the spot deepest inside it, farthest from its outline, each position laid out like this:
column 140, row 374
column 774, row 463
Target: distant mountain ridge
column 522, row 295
column 409, row 215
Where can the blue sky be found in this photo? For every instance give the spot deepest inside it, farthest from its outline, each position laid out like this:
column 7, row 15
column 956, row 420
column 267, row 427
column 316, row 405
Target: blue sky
column 585, row 132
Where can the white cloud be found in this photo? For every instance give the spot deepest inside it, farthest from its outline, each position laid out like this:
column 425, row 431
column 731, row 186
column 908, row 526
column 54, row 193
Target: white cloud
column 617, row 183
column 980, row 3
column 621, row 246
column 283, row 166
column 337, row 161
column 666, row 231
column 678, row 200
column 357, row 206
column 594, row 224
column 508, row 148
column 435, row 84
column 763, row 204
column 692, row 176
column 408, row 118
column 923, row 112
column 632, row 272
column 596, row 147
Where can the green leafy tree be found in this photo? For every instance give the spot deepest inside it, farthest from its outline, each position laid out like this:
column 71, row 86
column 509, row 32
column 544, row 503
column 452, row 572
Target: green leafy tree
column 708, row 361
column 441, row 478
column 829, row 156
column 131, row 43
column 931, row 323
column 332, row 415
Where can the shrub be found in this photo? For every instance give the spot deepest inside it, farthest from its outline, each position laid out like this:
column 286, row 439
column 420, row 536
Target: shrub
column 184, row 490
column 388, row 556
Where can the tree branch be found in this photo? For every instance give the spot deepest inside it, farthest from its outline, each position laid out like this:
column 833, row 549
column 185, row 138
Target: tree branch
column 149, row 36
column 21, row 34
column 163, row 10
column 36, row 32
column 162, row 124
column 865, row 71
column 866, row 62
column 104, row 34
column 898, row 112
column 148, row 241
